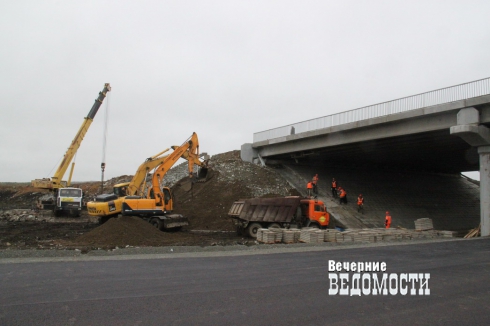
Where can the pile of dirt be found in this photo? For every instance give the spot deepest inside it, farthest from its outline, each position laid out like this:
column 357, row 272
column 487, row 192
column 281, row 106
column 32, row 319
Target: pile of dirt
column 123, row 231
column 206, row 204
column 18, row 195
column 130, row 231
column 40, row 235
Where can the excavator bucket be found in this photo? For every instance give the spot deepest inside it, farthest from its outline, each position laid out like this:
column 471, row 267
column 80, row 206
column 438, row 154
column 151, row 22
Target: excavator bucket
column 203, row 172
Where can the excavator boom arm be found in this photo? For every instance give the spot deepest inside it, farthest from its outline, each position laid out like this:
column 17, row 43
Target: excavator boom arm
column 189, row 150
column 137, row 183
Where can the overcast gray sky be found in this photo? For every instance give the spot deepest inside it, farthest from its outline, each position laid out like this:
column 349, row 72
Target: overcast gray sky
column 224, row 69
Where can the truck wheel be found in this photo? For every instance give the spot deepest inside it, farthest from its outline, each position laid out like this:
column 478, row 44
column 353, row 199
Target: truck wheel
column 252, row 230
column 275, row 225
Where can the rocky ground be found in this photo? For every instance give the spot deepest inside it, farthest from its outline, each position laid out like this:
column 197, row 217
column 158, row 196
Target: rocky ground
column 206, row 204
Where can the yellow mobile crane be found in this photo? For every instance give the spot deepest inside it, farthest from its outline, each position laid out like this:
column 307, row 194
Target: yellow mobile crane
column 64, row 198
column 151, row 202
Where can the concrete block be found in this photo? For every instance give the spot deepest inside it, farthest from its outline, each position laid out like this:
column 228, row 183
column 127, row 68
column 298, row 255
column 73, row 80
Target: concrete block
column 473, row 134
column 247, row 153
column 468, row 116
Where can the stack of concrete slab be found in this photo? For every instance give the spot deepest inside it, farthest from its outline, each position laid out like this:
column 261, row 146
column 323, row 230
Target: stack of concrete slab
column 330, row 235
column 345, row 236
column 260, row 233
column 418, row 235
column 310, row 235
column 297, row 234
column 356, row 236
column 429, row 234
column 288, row 236
column 447, row 234
column 268, row 237
column 314, row 235
column 406, row 235
column 397, row 234
column 388, row 237
column 339, row 237
column 321, row 236
column 367, row 236
column 278, row 232
column 423, row 224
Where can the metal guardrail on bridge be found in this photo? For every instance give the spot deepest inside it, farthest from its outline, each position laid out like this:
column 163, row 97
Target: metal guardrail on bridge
column 440, row 96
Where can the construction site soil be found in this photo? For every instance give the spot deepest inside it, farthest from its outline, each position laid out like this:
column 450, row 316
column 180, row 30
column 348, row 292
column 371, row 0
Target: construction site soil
column 206, row 204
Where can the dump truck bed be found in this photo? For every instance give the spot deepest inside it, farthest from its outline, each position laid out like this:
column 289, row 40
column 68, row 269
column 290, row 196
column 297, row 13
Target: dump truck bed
column 282, row 209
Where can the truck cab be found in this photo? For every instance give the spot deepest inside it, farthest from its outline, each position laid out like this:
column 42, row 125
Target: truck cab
column 68, row 201
column 314, row 213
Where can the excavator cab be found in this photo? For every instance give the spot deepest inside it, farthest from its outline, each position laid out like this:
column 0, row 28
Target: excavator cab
column 120, row 190
column 167, row 195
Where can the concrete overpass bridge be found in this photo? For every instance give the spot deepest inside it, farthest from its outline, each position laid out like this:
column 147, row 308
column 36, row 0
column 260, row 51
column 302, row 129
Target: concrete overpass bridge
column 433, row 136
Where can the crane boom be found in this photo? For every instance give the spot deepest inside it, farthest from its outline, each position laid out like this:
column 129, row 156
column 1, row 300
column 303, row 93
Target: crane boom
column 56, row 181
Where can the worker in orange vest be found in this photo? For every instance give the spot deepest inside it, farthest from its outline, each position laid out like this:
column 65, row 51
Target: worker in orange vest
column 360, row 203
column 342, row 196
column 309, row 188
column 315, row 181
column 334, row 188
column 388, row 220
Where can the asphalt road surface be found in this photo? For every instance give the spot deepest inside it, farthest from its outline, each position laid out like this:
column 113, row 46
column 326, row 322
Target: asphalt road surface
column 266, row 289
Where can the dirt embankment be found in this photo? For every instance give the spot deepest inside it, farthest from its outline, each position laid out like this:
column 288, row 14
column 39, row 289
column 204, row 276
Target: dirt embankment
column 205, row 203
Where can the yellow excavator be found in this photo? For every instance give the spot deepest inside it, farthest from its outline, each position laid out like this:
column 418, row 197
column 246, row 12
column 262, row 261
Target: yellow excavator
column 63, row 198
column 149, row 200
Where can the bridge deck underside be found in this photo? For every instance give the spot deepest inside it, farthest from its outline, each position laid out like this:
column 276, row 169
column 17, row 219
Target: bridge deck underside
column 435, row 151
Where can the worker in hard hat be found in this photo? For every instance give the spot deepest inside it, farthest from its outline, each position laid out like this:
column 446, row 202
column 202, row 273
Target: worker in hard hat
column 315, row 186
column 342, row 196
column 360, row 203
column 387, row 220
column 309, row 188
column 334, row 188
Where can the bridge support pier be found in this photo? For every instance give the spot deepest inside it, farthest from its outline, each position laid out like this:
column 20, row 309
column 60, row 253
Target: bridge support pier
column 477, row 135
column 248, row 153
column 484, row 152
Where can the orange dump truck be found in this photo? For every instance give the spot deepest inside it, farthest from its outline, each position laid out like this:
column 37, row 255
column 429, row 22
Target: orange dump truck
column 249, row 215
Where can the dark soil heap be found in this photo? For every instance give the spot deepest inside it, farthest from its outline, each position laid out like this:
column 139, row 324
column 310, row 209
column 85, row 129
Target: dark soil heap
column 206, row 204
column 123, row 231
column 132, row 231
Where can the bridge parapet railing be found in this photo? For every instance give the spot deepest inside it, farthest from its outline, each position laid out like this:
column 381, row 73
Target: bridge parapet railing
column 440, row 96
